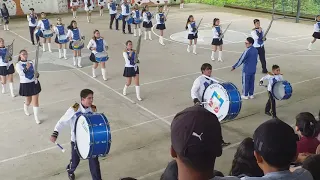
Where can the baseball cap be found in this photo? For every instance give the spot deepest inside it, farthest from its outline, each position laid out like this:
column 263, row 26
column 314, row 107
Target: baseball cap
column 196, row 135
column 276, row 142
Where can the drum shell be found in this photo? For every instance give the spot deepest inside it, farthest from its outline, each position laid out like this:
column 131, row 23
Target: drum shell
column 64, row 40
column 47, row 34
column 287, row 90
column 101, row 57
column 77, row 47
column 235, row 100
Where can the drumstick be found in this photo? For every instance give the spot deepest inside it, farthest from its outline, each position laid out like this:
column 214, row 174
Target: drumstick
column 210, row 78
column 63, row 150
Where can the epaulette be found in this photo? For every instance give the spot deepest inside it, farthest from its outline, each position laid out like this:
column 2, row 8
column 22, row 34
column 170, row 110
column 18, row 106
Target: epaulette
column 270, row 74
column 94, row 108
column 75, row 107
column 253, row 29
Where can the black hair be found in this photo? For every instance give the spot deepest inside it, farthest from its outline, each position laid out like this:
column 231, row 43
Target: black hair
column 5, row 6
column 129, row 41
column 217, row 173
column 85, row 93
column 144, row 9
column 205, row 66
column 214, row 21
column 312, row 164
column 94, row 32
column 128, row 178
column 250, row 40
column 244, row 162
column 275, row 67
column 71, row 25
column 188, row 21
column 255, row 21
column 306, row 124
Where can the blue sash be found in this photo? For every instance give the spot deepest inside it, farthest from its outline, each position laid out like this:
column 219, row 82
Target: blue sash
column 76, row 34
column 3, row 52
column 218, row 29
column 30, row 73
column 131, row 59
column 46, row 24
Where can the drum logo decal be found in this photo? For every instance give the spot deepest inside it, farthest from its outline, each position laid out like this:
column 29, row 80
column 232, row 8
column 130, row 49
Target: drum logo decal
column 216, row 102
column 84, row 125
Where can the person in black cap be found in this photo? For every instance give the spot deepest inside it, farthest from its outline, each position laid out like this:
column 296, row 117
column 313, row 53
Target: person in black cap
column 195, row 143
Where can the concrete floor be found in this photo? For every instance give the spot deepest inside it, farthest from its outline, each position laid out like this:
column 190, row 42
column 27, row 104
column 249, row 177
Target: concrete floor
column 140, row 130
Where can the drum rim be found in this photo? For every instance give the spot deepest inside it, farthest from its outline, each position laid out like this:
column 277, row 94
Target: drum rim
column 282, row 81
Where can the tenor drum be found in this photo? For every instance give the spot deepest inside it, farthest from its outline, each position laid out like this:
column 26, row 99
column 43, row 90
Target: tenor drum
column 119, row 17
column 223, row 100
column 101, row 57
column 77, row 45
column 47, row 34
column 281, row 90
column 63, row 39
column 93, row 135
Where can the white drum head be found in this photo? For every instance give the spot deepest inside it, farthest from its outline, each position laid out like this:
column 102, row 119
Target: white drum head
column 83, row 137
column 278, row 90
column 101, row 54
column 62, row 37
column 47, row 32
column 217, row 101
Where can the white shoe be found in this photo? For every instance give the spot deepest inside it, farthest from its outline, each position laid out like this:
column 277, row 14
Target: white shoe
column 251, row 97
column 244, row 97
column 220, row 60
column 309, row 46
column 212, row 58
column 124, row 92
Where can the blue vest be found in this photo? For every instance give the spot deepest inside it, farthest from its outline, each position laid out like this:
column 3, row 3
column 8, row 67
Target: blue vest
column 131, row 59
column 46, row 24
column 218, row 29
column 149, row 16
column 100, row 45
column 3, row 52
column 33, row 19
column 127, row 8
column 76, row 34
column 161, row 15
column 113, row 6
column 137, row 14
column 260, row 35
column 61, row 29
column 30, row 73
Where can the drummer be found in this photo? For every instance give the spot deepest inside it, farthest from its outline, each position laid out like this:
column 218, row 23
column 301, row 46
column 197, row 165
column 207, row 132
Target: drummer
column 98, row 45
column 112, row 6
column 60, row 30
column 272, row 78
column 74, row 34
column 200, row 84
column 45, row 27
column 69, row 118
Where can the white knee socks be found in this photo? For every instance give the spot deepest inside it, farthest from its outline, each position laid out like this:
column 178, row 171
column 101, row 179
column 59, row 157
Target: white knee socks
column 79, row 62
column 3, row 88
column 60, row 53
column 25, row 108
column 149, row 32
column 124, row 92
column 145, row 35
column 220, row 56
column 49, row 47
column 74, row 61
column 94, row 72
column 212, row 55
column 104, row 76
column 134, row 32
column 310, row 46
column 11, row 89
column 194, row 49
column 65, row 53
column 138, row 93
column 36, row 113
column 139, row 30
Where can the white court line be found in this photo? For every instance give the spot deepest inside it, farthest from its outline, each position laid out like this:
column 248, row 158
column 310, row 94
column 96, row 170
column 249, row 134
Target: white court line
column 298, row 39
column 53, row 147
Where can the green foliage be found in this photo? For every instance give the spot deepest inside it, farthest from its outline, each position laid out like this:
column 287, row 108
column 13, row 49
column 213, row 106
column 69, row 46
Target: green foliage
column 308, row 7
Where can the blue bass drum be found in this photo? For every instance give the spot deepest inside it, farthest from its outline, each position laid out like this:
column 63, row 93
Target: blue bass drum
column 93, row 135
column 223, row 100
column 281, row 90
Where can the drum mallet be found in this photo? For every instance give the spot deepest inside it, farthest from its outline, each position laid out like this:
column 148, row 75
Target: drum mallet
column 63, row 150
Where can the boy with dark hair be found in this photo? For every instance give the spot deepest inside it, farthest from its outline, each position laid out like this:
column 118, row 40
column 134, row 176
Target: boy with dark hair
column 312, row 164
column 273, row 77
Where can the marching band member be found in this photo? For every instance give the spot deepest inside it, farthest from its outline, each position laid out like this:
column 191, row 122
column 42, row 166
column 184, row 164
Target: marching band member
column 161, row 18
column 216, row 41
column 29, row 84
column 257, row 35
column 74, row 35
column 69, row 119
column 316, row 34
column 32, row 18
column 272, row 78
column 59, row 30
column 147, row 23
column 249, row 59
column 125, row 13
column 5, row 16
column 44, row 25
column 181, row 4
column 74, row 4
column 6, row 69
column 98, row 45
column 200, row 85
column 192, row 34
column 165, row 7
column 88, row 7
column 131, row 69
column 112, row 6
column 101, row 4
column 136, row 20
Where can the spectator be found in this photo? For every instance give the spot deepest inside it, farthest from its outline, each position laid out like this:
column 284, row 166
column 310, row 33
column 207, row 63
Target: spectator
column 312, row 164
column 318, row 150
column 306, row 127
column 244, row 162
column 195, row 143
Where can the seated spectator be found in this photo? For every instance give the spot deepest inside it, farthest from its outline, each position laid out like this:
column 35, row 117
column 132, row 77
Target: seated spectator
column 244, row 162
column 306, row 126
column 318, row 150
column 195, row 143
column 312, row 164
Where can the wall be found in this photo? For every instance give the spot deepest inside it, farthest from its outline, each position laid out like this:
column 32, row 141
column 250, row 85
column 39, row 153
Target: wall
column 21, row 7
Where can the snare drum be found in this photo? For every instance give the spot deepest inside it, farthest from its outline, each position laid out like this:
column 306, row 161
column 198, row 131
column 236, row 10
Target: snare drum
column 223, row 100
column 137, row 21
column 37, row 32
column 119, row 17
column 63, row 39
column 129, row 20
column 77, row 45
column 47, row 34
column 93, row 135
column 281, row 90
column 101, row 57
